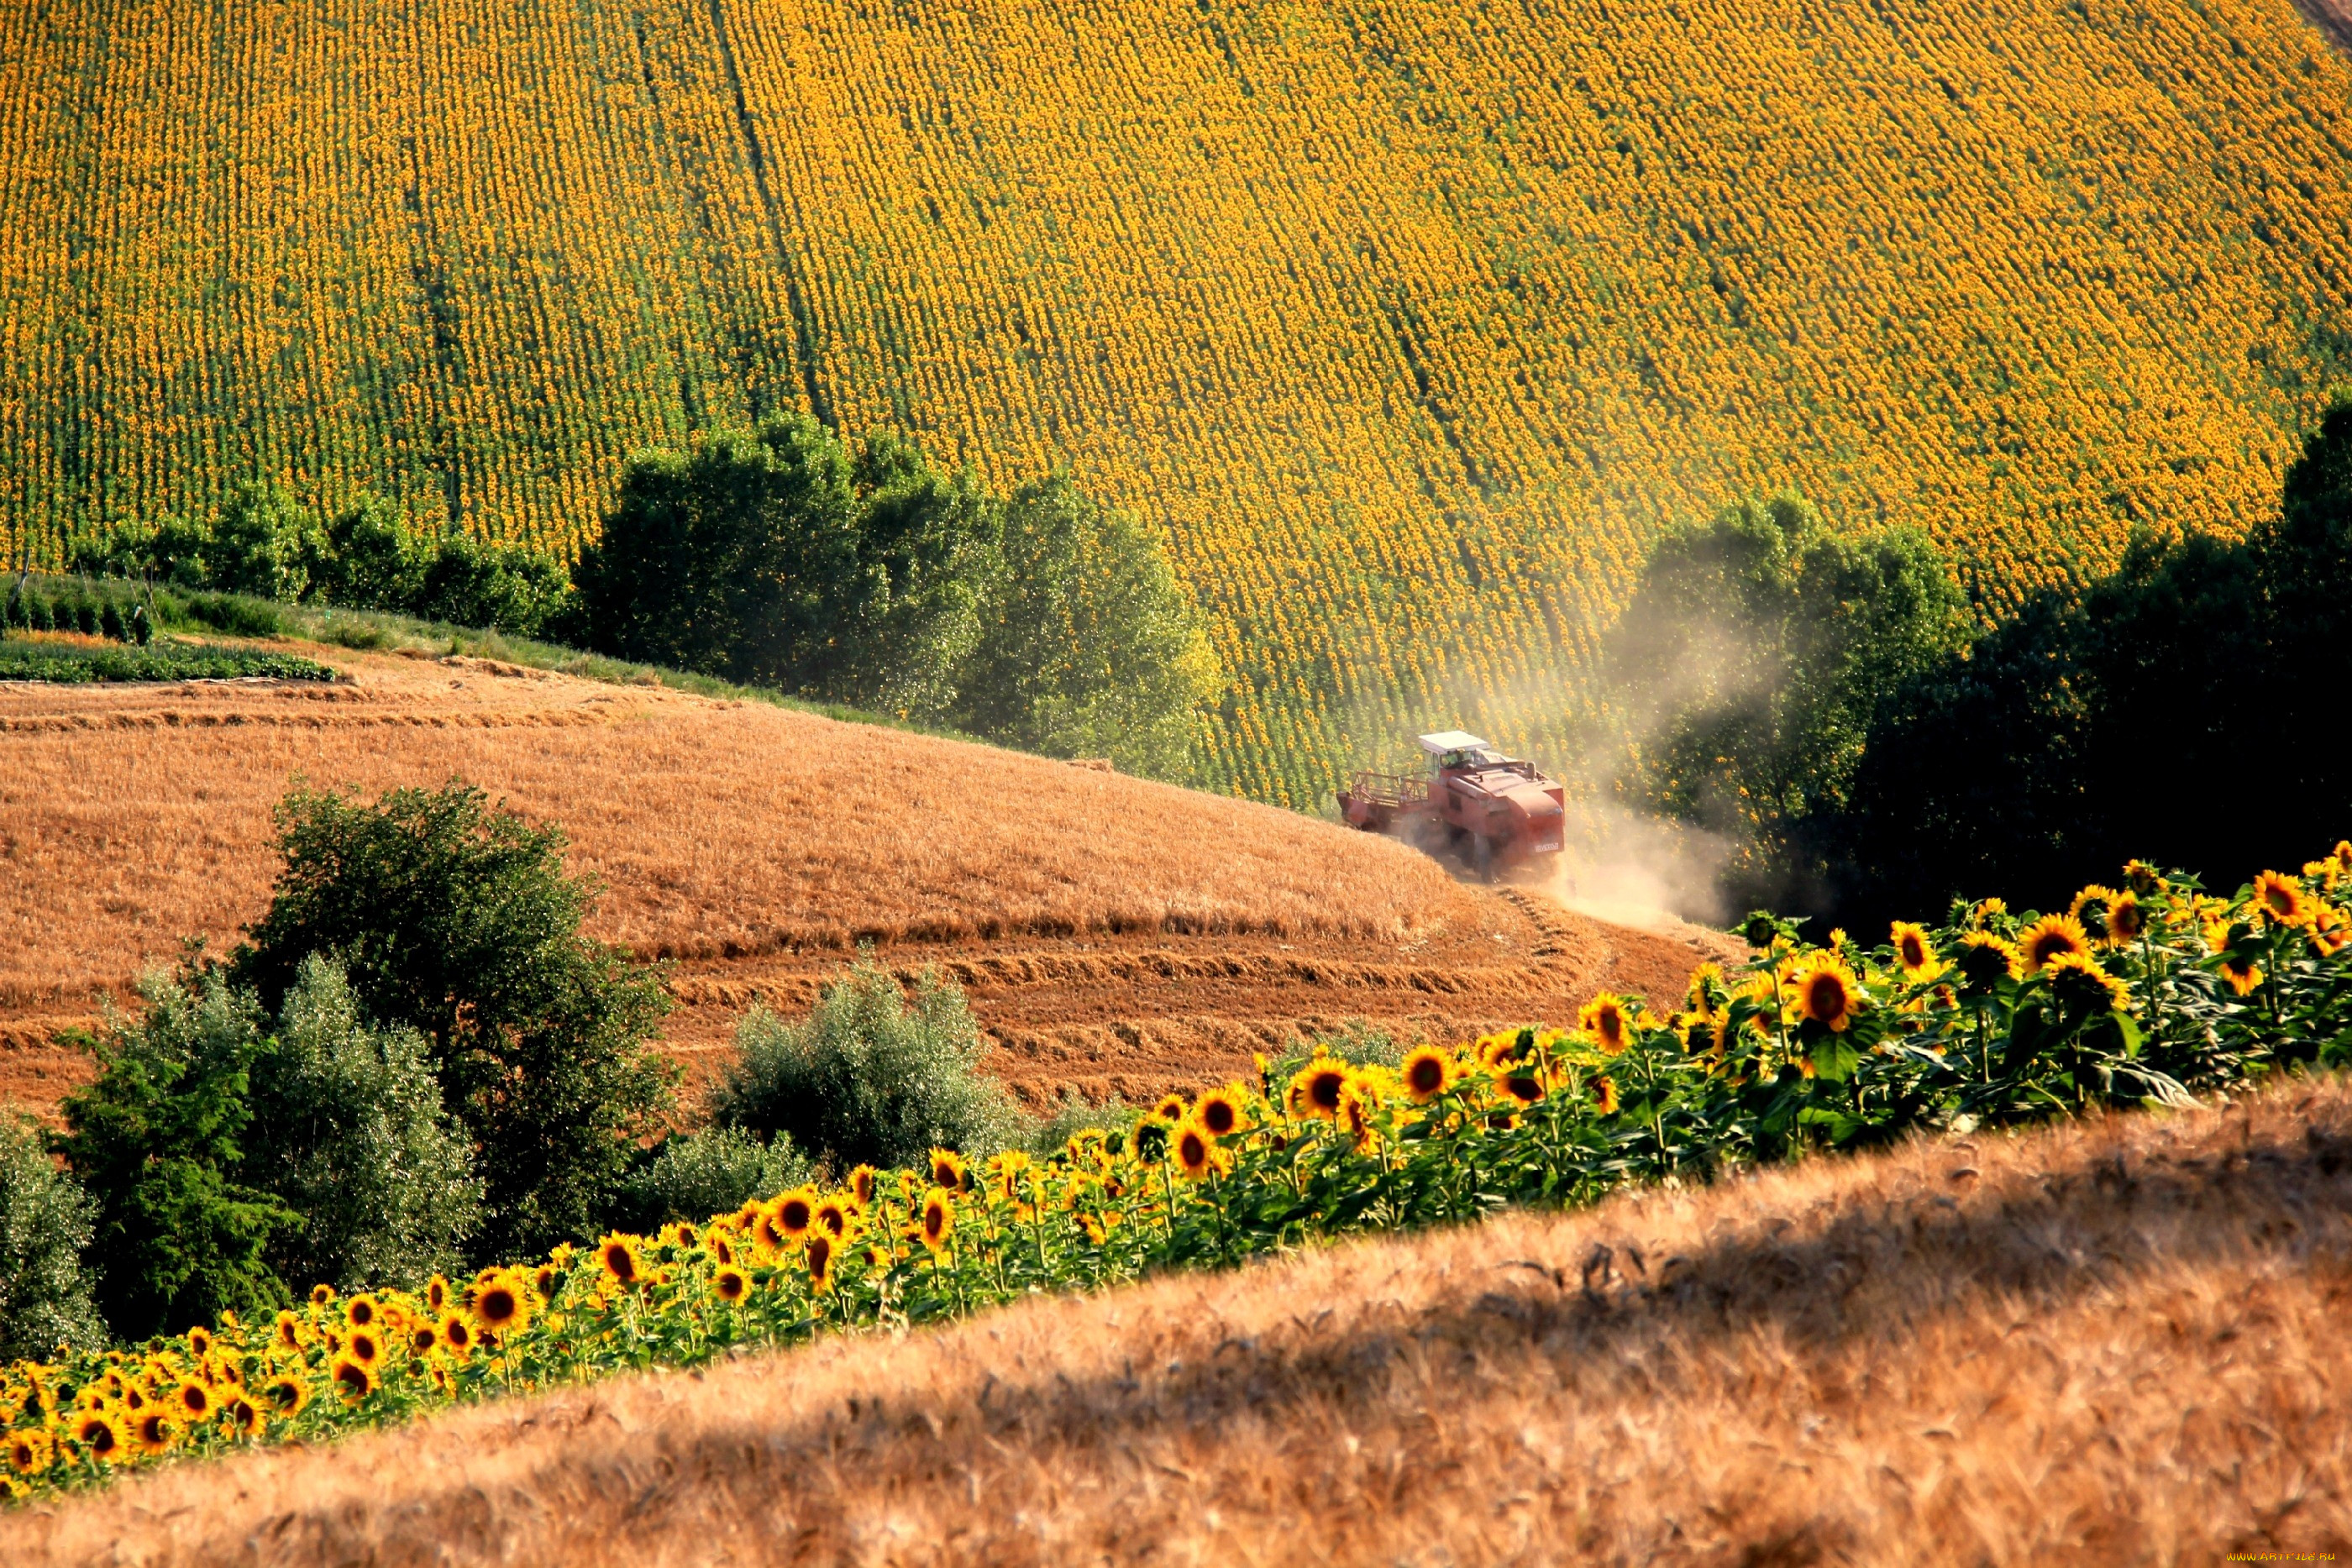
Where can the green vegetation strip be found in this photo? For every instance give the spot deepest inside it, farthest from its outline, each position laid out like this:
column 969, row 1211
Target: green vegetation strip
column 75, row 664
column 2150, row 994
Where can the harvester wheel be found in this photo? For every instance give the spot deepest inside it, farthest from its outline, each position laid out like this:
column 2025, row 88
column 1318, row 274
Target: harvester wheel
column 1482, row 856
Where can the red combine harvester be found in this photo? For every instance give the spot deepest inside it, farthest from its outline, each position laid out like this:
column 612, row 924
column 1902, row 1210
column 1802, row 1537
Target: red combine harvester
column 1488, row 810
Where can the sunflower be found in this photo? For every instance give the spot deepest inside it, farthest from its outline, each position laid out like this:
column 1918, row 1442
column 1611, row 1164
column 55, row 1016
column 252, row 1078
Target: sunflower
column 947, row 1170
column 715, row 1242
column 1497, row 1051
column 153, row 1431
column 2140, row 877
column 1427, row 1072
column 363, row 1345
column 2240, row 970
column 30, row 1451
column 1194, row 1149
column 287, row 1393
column 2342, row 855
column 1915, row 951
column 1219, row 1111
column 1604, row 1094
column 422, row 1337
column 1825, row 991
column 2050, row 937
column 1317, row 1087
column 360, row 1312
column 617, row 1255
column 321, row 1294
column 457, row 1334
column 2329, row 933
column 2082, row 987
column 820, row 1261
column 1093, row 1226
column 354, row 1380
column 1603, row 1018
column 861, row 1185
column 200, row 1342
column 939, row 1219
column 101, row 1434
column 1706, row 991
column 731, row 1285
column 2281, row 900
column 2126, row 920
column 193, row 1400
column 543, row 1281
column 501, row 1306
column 833, row 1216
column 1985, row 961
column 436, row 1293
column 1170, row 1108
column 289, row 1332
column 2090, row 911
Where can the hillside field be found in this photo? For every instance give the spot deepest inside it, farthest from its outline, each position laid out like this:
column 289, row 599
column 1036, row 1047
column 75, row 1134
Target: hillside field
column 1410, row 325
column 1115, row 936
column 2114, row 1342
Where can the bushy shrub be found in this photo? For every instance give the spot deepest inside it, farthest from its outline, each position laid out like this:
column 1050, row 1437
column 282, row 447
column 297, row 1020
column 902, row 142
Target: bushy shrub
column 350, row 1132
column 460, row 921
column 869, row 1077
column 156, row 1141
column 44, row 1224
column 693, row 1177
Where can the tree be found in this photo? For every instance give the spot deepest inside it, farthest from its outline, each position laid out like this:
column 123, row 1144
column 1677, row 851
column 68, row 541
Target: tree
column 503, row 587
column 867, row 1077
column 1088, row 644
column 261, row 544
column 44, row 1224
column 770, row 557
column 370, row 560
column 350, row 1132
column 155, row 1142
column 1751, row 664
column 459, row 920
column 2083, row 732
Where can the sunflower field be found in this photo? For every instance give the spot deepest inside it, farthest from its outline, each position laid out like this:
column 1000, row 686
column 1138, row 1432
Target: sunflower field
column 2148, row 994
column 1410, row 325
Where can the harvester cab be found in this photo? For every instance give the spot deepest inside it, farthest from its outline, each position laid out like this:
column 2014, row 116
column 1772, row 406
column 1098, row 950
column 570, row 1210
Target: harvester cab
column 1489, row 810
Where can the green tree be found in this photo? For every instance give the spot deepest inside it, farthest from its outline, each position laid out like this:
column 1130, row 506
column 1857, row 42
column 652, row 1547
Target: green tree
column 503, row 587
column 773, row 557
column 370, row 560
column 261, row 544
column 709, row 1171
column 460, row 921
column 2086, row 730
column 1751, row 664
column 869, row 1076
column 45, row 1223
column 156, row 1140
column 350, row 1132
column 1088, row 645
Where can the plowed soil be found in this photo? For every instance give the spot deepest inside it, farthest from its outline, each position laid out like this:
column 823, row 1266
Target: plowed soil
column 1115, row 935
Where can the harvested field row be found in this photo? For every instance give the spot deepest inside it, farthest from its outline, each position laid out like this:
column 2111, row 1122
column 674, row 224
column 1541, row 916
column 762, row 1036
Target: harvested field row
column 2112, row 1342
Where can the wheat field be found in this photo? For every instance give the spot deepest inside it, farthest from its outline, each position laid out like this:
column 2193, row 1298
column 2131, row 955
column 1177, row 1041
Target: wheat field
column 1410, row 325
column 1117, row 935
column 2115, row 1342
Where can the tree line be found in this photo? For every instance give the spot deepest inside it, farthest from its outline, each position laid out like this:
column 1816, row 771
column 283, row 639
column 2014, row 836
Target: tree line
column 1871, row 747
column 782, row 557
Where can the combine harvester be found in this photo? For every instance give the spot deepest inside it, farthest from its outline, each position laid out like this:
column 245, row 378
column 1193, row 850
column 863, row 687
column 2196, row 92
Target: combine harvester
column 1491, row 811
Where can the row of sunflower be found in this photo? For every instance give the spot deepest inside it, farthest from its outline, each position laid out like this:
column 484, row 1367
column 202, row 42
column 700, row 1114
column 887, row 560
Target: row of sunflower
column 2149, row 992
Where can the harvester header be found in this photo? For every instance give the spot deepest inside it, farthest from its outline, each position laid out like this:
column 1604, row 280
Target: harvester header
column 1489, row 810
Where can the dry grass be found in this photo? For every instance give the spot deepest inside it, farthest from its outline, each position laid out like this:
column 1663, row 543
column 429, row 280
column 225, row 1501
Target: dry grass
column 1119, row 935
column 2114, row 1343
